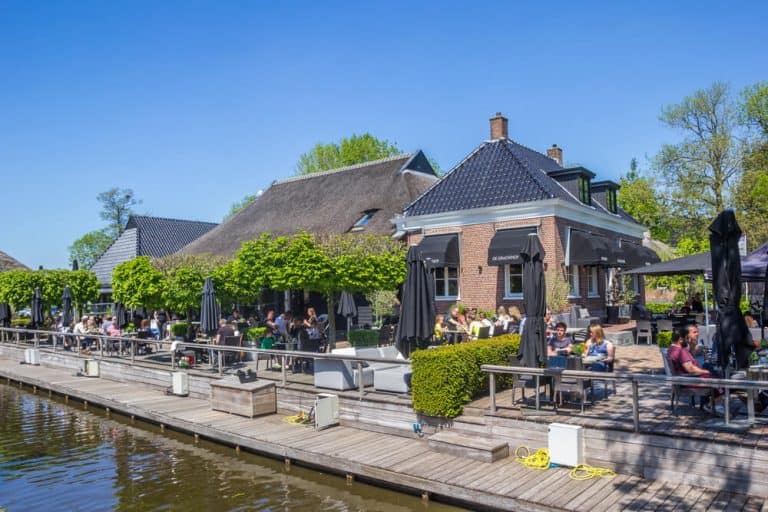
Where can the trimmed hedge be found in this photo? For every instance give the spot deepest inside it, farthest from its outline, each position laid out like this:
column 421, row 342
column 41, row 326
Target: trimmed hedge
column 659, row 308
column 364, row 338
column 255, row 333
column 447, row 377
column 664, row 339
column 179, row 329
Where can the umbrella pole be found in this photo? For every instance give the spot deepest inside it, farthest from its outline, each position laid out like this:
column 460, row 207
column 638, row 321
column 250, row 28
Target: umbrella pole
column 706, row 308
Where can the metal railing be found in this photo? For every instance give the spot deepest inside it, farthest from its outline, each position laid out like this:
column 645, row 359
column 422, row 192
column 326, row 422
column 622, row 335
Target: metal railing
column 635, row 379
column 44, row 339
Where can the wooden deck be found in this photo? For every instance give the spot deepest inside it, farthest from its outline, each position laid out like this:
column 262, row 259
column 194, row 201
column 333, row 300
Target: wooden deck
column 396, row 461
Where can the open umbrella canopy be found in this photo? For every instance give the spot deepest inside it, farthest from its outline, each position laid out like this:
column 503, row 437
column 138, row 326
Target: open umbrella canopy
column 533, row 343
column 209, row 309
column 347, row 308
column 726, row 282
column 5, row 315
column 37, row 308
column 417, row 307
column 66, row 307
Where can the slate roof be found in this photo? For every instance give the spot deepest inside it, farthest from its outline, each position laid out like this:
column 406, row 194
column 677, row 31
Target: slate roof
column 147, row 236
column 499, row 172
column 326, row 202
column 9, row 263
column 159, row 237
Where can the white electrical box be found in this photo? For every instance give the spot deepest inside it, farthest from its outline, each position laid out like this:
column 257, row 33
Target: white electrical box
column 180, row 383
column 91, row 368
column 32, row 356
column 566, row 444
column 326, row 411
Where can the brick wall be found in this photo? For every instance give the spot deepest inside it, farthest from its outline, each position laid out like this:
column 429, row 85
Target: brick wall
column 482, row 285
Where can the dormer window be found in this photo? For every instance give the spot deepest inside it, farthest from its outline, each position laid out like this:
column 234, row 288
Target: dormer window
column 363, row 221
column 610, row 200
column 585, row 195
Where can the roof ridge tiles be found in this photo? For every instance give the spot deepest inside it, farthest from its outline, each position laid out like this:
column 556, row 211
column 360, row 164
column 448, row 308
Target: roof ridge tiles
column 407, row 156
column 170, row 219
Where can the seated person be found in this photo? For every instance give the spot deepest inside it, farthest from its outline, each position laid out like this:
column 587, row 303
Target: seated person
column 439, row 328
column 456, row 322
column 680, row 359
column 750, row 320
column 515, row 317
column 598, row 346
column 502, row 318
column 560, row 343
column 474, row 325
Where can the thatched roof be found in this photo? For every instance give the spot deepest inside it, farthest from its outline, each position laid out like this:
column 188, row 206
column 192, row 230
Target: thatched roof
column 327, row 202
column 9, row 263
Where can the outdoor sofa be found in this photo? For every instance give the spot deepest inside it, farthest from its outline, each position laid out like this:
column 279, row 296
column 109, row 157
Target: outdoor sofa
column 343, row 375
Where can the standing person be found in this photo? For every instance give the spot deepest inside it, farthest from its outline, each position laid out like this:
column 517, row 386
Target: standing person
column 271, row 324
column 598, row 346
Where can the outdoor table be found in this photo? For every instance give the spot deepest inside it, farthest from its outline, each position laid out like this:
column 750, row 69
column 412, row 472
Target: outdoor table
column 455, row 334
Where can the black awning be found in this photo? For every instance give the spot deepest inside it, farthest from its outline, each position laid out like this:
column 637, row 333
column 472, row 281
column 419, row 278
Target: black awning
column 440, row 250
column 585, row 248
column 506, row 245
column 634, row 255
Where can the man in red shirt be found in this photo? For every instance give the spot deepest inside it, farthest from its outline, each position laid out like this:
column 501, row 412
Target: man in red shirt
column 683, row 363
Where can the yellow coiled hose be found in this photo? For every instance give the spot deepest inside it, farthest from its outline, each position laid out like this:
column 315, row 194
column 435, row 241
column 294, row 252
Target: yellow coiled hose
column 539, row 460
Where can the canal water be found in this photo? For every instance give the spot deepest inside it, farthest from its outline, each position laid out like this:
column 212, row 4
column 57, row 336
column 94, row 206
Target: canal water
column 55, row 456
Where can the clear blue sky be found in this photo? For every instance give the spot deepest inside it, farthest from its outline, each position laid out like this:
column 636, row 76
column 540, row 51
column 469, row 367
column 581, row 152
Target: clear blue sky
column 196, row 104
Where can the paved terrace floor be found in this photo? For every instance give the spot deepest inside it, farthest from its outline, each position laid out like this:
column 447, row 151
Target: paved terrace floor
column 397, row 460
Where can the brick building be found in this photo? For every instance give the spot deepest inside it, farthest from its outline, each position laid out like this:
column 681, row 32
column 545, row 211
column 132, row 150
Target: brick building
column 473, row 222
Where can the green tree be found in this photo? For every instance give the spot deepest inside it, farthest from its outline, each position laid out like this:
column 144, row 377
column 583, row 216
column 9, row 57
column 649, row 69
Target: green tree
column 183, row 279
column 88, row 248
column 352, row 150
column 116, row 206
column 752, row 189
column 701, row 169
column 639, row 197
column 138, row 283
column 236, row 207
column 16, row 287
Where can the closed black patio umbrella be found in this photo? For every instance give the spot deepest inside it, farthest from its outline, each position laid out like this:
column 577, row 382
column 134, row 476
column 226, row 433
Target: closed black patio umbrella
column 417, row 306
column 726, row 281
column 533, row 344
column 5, row 314
column 347, row 308
column 37, row 309
column 66, row 307
column 121, row 315
column 75, row 265
column 209, row 309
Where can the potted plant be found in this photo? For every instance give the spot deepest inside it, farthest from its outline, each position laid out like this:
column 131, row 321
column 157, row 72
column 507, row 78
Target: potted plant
column 578, row 349
column 179, row 330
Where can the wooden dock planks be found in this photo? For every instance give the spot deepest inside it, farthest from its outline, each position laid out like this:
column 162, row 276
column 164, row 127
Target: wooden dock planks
column 401, row 461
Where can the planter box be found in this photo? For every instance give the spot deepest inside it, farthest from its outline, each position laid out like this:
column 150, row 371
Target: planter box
column 245, row 399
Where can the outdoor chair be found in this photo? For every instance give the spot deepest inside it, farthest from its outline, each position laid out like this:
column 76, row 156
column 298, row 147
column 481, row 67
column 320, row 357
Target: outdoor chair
column 679, row 391
column 483, row 332
column 340, row 375
column 395, row 378
column 230, row 357
column 570, row 384
column 664, row 326
column 644, row 332
column 580, row 317
column 364, row 318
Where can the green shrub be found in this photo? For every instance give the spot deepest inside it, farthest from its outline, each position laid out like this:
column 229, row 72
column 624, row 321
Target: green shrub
column 179, row 329
column 659, row 308
column 364, row 338
column 20, row 322
column 447, row 377
column 255, row 333
column 664, row 339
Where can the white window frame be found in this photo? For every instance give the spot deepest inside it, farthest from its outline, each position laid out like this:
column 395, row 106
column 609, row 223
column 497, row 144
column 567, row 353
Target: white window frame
column 444, row 281
column 636, row 284
column 573, row 272
column 507, row 274
column 593, row 276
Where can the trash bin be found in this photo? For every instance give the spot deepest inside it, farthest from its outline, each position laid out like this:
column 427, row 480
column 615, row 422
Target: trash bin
column 250, row 356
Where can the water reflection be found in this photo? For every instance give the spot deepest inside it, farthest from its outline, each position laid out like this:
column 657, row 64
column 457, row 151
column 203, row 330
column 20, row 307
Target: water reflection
column 57, row 457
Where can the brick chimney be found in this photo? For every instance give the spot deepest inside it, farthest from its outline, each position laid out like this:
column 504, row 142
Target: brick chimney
column 499, row 127
column 556, row 154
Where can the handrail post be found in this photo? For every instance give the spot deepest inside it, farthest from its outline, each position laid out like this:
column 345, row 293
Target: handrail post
column 133, row 351
column 636, row 405
column 492, row 388
column 727, row 405
column 101, row 347
column 360, row 381
column 221, row 357
column 283, row 371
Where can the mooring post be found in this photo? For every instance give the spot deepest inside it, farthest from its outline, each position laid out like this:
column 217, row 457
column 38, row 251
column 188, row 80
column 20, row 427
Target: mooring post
column 492, row 389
